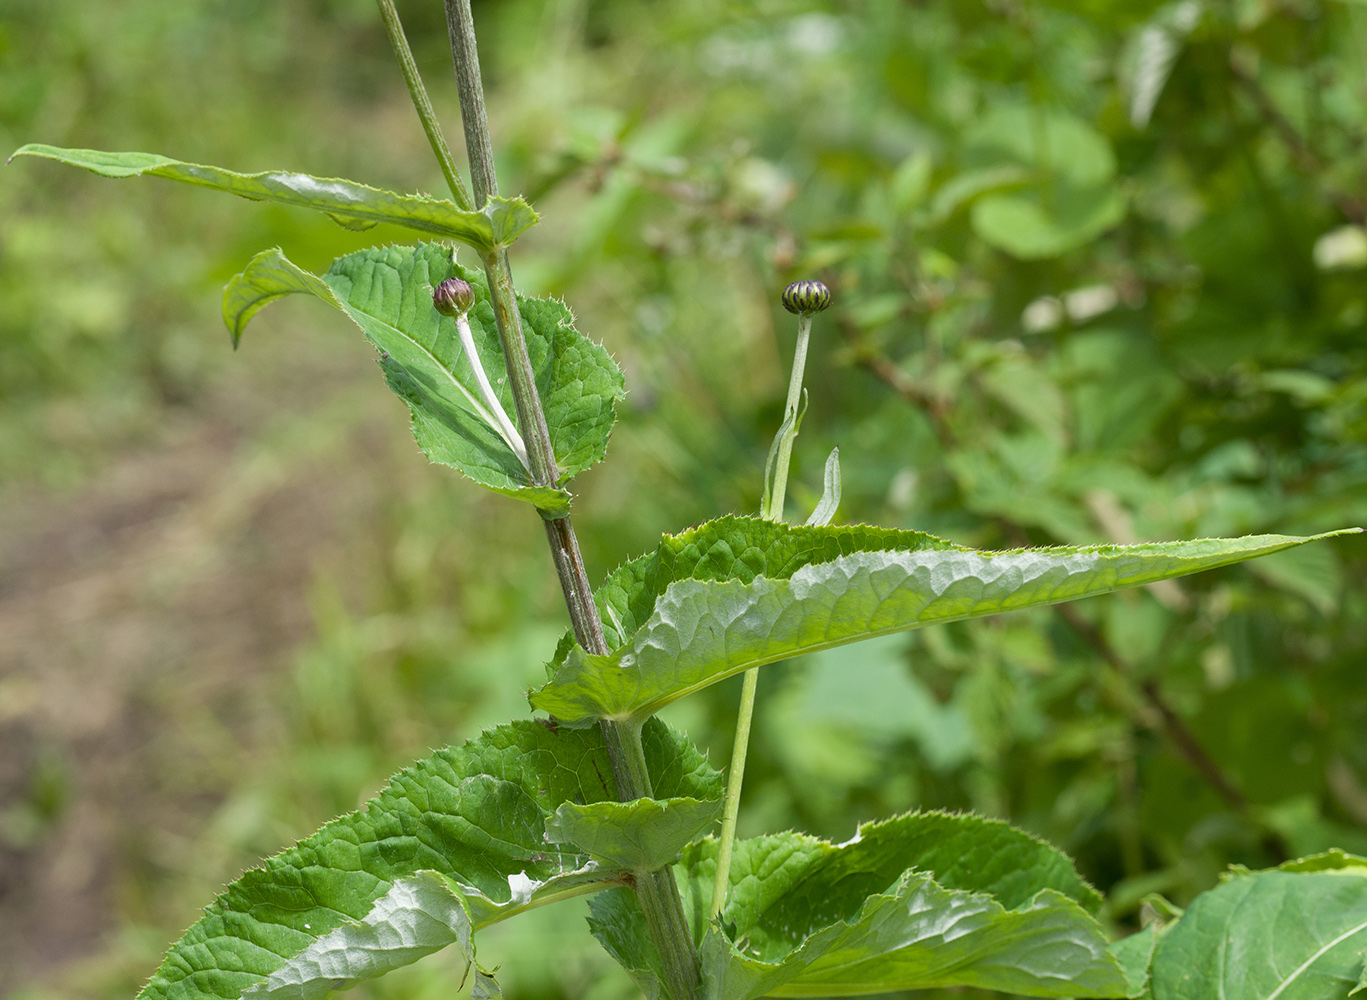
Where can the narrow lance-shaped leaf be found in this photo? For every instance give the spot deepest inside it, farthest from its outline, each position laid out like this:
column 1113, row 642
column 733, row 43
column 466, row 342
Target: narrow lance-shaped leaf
column 452, row 844
column 351, row 204
column 387, row 292
column 738, row 592
column 830, row 493
column 917, row 902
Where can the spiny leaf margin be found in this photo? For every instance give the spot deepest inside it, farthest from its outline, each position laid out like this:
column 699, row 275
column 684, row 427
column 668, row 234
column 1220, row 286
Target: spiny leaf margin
column 795, row 900
column 386, row 291
column 710, row 618
column 474, row 815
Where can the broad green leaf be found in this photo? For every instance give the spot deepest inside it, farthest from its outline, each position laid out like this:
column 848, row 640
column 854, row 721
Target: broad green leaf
column 352, row 205
column 452, row 844
column 915, row 902
column 387, row 292
column 1072, row 199
column 737, row 593
column 1036, row 225
column 642, row 835
column 1272, row 935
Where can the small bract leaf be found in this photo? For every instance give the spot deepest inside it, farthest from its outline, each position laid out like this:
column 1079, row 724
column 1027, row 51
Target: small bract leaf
column 738, row 593
column 452, row 844
column 830, row 493
column 353, row 205
column 642, row 835
column 387, row 292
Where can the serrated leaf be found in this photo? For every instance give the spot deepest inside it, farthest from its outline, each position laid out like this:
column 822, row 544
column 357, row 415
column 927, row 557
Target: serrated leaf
column 387, row 292
column 738, row 593
column 915, row 902
column 642, row 835
column 353, row 205
column 1273, row 935
column 452, row 844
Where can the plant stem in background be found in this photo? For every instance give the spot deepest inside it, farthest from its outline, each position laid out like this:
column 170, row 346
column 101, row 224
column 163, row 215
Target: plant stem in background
column 423, row 105
column 804, row 298
column 657, row 892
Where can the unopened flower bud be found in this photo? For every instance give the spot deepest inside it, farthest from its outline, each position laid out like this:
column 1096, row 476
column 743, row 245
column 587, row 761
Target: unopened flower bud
column 806, row 297
column 453, row 297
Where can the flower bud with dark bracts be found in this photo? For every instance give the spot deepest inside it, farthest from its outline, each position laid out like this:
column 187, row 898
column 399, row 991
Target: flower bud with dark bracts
column 453, row 297
column 806, row 297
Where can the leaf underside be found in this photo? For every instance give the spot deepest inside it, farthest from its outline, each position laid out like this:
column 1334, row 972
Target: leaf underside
column 453, row 843
column 387, row 292
column 917, row 902
column 1298, row 933
column 739, row 592
column 353, row 205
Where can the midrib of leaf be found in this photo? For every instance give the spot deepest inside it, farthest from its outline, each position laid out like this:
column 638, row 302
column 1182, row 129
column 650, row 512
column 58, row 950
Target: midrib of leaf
column 481, row 411
column 1304, row 966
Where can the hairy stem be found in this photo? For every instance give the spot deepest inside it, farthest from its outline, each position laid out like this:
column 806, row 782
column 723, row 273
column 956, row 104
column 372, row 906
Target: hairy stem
column 657, row 891
column 399, row 41
column 771, row 509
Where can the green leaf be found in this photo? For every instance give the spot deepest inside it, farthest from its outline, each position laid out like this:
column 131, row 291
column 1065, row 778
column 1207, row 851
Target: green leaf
column 917, row 902
column 452, row 844
column 1274, row 935
column 642, row 835
column 387, row 292
column 350, row 204
column 1135, row 955
column 1035, row 225
column 737, row 593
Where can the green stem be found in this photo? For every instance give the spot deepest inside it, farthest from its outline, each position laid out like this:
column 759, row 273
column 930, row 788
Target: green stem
column 735, row 775
column 771, row 509
column 656, row 891
column 399, row 41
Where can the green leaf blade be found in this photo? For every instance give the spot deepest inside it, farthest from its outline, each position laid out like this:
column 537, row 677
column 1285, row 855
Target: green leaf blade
column 921, row 901
column 452, row 844
column 386, row 291
column 1275, row 935
column 692, row 620
column 642, row 835
column 353, row 204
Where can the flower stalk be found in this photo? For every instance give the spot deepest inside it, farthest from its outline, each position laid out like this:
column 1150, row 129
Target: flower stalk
column 805, row 298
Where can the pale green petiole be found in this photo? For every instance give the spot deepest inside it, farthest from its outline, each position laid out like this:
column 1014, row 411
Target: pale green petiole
column 771, row 509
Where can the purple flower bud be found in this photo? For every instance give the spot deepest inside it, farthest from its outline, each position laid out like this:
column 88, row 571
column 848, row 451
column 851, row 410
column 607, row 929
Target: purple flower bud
column 806, row 297
column 453, row 297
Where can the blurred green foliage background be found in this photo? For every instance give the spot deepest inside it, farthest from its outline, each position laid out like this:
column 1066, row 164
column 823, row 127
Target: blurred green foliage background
column 1099, row 274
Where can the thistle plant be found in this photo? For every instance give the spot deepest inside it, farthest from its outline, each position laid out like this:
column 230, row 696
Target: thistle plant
column 597, row 796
